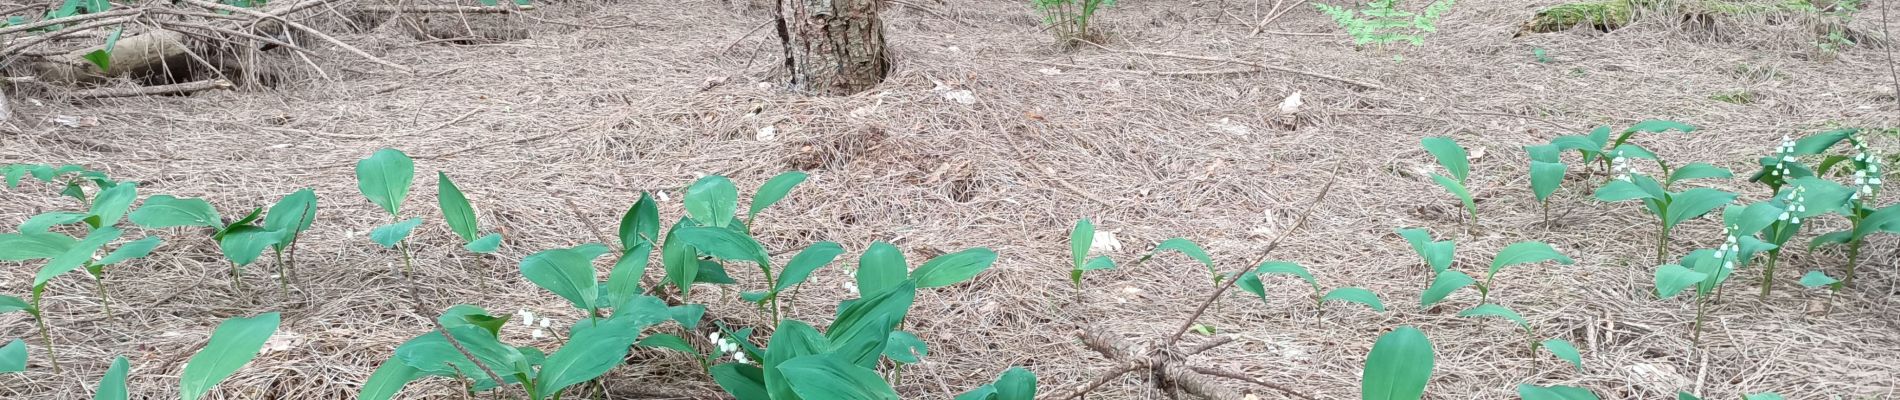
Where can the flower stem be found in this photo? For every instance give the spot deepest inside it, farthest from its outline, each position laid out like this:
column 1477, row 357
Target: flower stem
column 1662, row 242
column 52, row 353
column 283, row 275
column 1699, row 308
column 1768, row 273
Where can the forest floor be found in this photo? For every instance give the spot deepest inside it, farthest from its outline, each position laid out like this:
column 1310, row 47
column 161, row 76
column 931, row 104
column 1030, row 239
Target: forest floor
column 555, row 135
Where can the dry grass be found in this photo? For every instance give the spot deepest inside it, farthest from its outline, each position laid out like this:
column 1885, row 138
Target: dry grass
column 598, row 115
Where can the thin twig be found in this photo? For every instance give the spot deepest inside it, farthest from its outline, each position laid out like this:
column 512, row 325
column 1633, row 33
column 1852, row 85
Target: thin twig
column 312, row 31
column 439, row 9
column 26, row 43
column 1209, row 345
column 1244, row 378
column 1891, row 68
column 1275, row 244
column 1241, row 62
column 67, row 20
column 176, row 88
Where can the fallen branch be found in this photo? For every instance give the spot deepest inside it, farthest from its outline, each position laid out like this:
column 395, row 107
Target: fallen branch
column 1244, row 378
column 440, row 9
column 177, row 88
column 312, row 31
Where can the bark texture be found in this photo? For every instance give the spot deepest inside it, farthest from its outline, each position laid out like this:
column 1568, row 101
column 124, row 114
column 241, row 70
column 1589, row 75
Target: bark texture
column 832, row 47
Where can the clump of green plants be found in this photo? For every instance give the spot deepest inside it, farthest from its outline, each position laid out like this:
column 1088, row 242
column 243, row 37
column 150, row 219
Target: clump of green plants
column 1382, row 22
column 1670, row 207
column 1865, row 220
column 1707, row 269
column 1453, row 158
column 241, row 241
column 70, row 177
column 1447, row 281
column 1070, row 18
column 39, row 240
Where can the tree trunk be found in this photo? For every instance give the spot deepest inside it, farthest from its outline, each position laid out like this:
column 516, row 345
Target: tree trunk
column 832, row 47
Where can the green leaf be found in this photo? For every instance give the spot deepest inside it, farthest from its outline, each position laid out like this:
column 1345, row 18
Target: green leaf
column 42, row 222
column 1449, row 155
column 800, row 268
column 567, row 272
column 136, row 249
column 1762, row 396
column 724, row 244
column 880, row 268
column 772, row 191
column 859, row 333
column 112, row 385
column 681, row 260
column 1443, row 285
column 1493, row 310
column 10, row 304
column 623, row 283
column 827, row 377
column 384, row 178
column 388, row 380
column 103, row 57
column 27, row 246
column 13, row 357
column 1185, row 247
column 77, row 256
column 791, row 340
column 455, row 208
column 953, row 268
column 1751, row 219
column 1672, row 278
column 1533, row 392
column 292, row 215
column 1814, row 279
column 1698, row 171
column 1399, row 366
column 486, row 244
column 1820, row 142
column 1458, row 189
column 234, row 343
column 1437, row 254
column 1525, row 253
column 1621, row 190
column 431, row 354
column 111, row 204
column 165, row 211
column 1287, row 268
column 688, row 315
column 1546, row 177
column 1635, row 151
column 641, row 223
column 1080, row 239
column 712, row 200
column 391, row 234
column 1686, row 396
column 1695, row 203
column 904, row 347
column 670, row 342
column 1563, row 349
column 1016, row 384
column 1837, row 237
column 594, row 349
column 1658, row 126
column 743, row 382
column 1355, row 295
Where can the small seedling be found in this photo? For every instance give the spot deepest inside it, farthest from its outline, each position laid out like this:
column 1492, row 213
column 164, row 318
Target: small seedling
column 1081, row 239
column 1399, row 366
column 1670, row 208
column 1455, row 161
column 1516, row 254
column 1250, row 281
column 1547, row 174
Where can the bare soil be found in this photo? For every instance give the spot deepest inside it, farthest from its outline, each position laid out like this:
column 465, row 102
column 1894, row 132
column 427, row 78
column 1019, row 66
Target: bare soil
column 554, row 135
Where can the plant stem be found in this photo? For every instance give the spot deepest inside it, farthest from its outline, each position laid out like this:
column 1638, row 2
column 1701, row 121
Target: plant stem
column 103, row 301
column 52, row 353
column 1768, row 273
column 1546, row 205
column 1699, row 308
column 237, row 281
column 1662, row 241
column 408, row 267
column 1853, row 258
column 283, row 275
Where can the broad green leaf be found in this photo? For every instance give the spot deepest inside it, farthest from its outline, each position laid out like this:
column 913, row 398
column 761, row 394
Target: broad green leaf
column 1686, row 396
column 641, row 223
column 1635, row 151
column 645, row 311
column 904, row 347
column 1525, row 253
column 390, row 235
column 1549, row 153
column 1080, row 239
column 724, row 244
column 880, row 268
column 1449, row 155
column 1657, row 126
column 1185, row 247
column 485, row 245
column 13, row 357
column 1250, row 282
column 859, row 333
column 1016, row 384
column 165, row 211
column 431, row 354
column 234, row 343
column 742, row 381
column 241, row 222
column 385, row 177
column 1493, row 310
column 1837, row 237
column 680, row 260
column 1694, row 203
column 688, row 315
column 1443, row 285
column 1546, row 177
column 1752, row 218
column 455, row 208
column 670, row 342
column 568, row 272
column 388, row 380
column 1622, row 190
column 827, row 377
column 111, row 204
column 470, row 315
column 1533, row 392
column 136, row 249
column 1820, row 142
column 953, row 268
column 1399, row 366
column 1437, row 254
column 1355, row 295
column 103, row 56
column 1762, row 396
column 1287, row 268
column 1820, row 196
column 712, row 200
column 292, row 215
column 774, row 190
column 791, row 340
column 1563, row 349
column 11, row 304
column 594, row 349
column 1814, row 279
column 112, row 385
column 1698, row 171
column 77, row 256
column 1458, row 189
column 43, row 222
column 27, row 246
column 623, row 283
column 807, row 261
column 1672, row 278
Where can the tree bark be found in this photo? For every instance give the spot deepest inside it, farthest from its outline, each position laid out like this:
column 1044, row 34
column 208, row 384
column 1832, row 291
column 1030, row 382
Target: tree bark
column 832, row 47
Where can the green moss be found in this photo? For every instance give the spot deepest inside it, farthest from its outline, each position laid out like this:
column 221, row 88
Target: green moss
column 1738, row 96
column 1601, row 14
